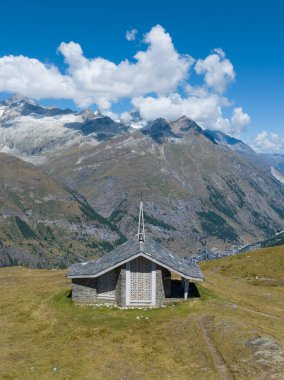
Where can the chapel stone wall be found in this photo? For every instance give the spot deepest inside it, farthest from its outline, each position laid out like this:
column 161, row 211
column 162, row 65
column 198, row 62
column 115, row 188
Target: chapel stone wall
column 120, row 293
column 160, row 293
column 84, row 289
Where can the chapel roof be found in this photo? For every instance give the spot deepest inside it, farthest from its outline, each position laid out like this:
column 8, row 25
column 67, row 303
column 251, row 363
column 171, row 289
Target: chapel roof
column 132, row 248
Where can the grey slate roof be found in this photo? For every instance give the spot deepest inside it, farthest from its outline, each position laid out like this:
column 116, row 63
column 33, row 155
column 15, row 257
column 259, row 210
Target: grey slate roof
column 124, row 252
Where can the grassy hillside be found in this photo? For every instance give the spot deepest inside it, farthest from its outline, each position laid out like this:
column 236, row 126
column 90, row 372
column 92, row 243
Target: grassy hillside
column 235, row 330
column 43, row 224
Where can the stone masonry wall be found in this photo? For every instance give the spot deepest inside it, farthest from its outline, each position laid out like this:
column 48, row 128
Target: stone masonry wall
column 120, row 293
column 160, row 293
column 84, row 289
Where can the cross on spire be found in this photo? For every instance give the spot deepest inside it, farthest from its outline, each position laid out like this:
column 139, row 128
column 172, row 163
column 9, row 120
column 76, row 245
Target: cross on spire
column 141, row 230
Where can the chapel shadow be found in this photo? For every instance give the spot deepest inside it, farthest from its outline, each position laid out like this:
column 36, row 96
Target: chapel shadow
column 177, row 290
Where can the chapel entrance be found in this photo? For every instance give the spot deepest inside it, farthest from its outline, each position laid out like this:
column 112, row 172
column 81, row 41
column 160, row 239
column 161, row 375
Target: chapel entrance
column 140, row 284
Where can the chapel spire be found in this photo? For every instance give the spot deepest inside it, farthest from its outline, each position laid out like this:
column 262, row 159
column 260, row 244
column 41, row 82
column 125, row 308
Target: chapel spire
column 141, row 230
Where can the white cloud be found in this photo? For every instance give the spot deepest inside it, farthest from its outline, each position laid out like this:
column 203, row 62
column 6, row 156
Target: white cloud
column 199, row 91
column 217, row 69
column 239, row 120
column 268, row 142
column 205, row 110
column 151, row 81
column 200, row 109
column 159, row 69
column 30, row 77
column 130, row 35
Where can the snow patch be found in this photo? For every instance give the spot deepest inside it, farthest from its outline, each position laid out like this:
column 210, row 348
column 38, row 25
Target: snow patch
column 276, row 174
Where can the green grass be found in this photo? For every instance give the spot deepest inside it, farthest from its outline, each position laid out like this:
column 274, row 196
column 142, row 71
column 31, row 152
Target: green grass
column 42, row 329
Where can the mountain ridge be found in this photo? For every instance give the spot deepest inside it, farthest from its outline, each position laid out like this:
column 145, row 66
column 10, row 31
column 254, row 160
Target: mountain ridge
column 193, row 180
column 32, row 132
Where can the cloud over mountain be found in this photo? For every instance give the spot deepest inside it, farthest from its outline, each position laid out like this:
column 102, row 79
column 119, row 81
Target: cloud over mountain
column 159, row 69
column 153, row 81
column 268, row 142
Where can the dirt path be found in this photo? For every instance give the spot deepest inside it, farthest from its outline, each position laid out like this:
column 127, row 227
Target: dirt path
column 219, row 362
column 254, row 311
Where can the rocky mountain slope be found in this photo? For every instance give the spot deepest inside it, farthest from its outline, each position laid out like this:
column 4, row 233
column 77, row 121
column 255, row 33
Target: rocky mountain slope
column 32, row 132
column 193, row 180
column 270, row 163
column 190, row 183
column 43, row 224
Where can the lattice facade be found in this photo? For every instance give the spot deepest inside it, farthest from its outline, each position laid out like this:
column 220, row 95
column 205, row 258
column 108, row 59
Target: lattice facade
column 140, row 280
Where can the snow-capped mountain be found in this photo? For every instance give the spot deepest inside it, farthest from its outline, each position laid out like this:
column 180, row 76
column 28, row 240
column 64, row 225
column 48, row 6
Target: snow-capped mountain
column 20, row 106
column 201, row 180
column 31, row 131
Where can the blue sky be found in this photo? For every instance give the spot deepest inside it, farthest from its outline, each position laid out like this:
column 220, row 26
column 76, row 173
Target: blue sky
column 250, row 33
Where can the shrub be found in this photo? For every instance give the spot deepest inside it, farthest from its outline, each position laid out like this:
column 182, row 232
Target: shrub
column 25, row 229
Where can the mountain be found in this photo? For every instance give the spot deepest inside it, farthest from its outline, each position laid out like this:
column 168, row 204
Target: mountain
column 190, row 182
column 269, row 163
column 43, row 224
column 102, row 127
column 32, row 132
column 160, row 129
column 20, row 106
column 193, row 180
column 231, row 142
column 276, row 162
